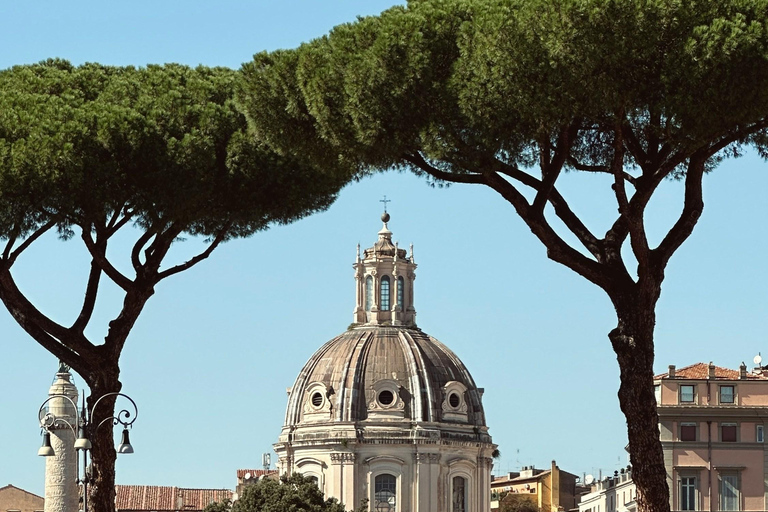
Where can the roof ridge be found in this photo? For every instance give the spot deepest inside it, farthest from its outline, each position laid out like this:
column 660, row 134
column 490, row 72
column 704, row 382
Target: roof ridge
column 9, row 486
column 691, row 366
column 204, row 489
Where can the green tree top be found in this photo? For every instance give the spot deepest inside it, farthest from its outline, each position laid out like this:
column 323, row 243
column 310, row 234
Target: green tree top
column 511, row 94
column 156, row 152
column 296, row 493
column 162, row 146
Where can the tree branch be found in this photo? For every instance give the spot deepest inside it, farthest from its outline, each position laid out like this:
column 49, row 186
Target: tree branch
column 104, row 264
column 11, row 258
column 551, row 171
column 220, row 236
column 159, row 247
column 735, row 136
column 54, row 337
column 598, row 169
column 634, row 211
column 89, row 301
column 557, row 249
column 633, row 143
column 692, row 209
column 115, row 225
column 419, row 161
column 136, row 250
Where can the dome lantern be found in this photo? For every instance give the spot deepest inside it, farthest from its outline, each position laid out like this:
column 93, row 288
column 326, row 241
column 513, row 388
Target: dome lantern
column 384, row 278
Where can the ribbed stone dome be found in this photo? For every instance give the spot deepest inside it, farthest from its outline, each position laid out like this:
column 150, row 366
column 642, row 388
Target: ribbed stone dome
column 379, row 373
column 384, row 413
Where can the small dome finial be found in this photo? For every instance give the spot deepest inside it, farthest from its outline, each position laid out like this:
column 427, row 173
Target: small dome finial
column 385, row 217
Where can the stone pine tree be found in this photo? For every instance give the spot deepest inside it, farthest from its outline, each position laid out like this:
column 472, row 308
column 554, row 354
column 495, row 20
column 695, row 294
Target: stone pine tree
column 153, row 153
column 295, row 493
column 512, row 94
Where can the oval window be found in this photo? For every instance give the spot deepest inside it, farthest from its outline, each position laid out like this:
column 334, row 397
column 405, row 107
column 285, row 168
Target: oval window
column 454, row 400
column 317, row 399
column 386, row 397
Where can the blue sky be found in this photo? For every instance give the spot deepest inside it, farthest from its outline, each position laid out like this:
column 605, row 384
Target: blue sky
column 216, row 347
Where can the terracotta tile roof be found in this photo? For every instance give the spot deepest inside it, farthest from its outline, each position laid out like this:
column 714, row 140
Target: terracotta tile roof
column 700, row 371
column 255, row 472
column 159, row 498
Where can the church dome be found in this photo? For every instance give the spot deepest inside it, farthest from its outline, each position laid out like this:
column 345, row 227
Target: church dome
column 383, row 413
column 379, row 372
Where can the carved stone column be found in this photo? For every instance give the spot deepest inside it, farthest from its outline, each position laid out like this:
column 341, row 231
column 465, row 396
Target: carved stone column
column 61, row 469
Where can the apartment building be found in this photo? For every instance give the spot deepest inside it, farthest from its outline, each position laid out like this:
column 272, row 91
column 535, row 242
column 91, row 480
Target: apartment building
column 712, row 428
column 610, row 494
column 548, row 489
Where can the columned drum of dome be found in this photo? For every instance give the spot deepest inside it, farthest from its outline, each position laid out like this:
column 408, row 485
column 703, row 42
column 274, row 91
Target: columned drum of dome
column 384, row 412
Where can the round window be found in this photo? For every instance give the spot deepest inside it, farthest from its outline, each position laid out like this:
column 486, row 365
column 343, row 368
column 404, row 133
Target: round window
column 386, row 397
column 317, row 399
column 454, row 400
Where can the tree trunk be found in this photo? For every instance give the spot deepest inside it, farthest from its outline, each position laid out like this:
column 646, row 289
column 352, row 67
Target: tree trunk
column 101, row 485
column 632, row 341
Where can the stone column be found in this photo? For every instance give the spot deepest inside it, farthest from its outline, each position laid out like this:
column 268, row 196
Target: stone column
column 61, row 469
column 426, row 471
column 343, row 478
column 484, row 466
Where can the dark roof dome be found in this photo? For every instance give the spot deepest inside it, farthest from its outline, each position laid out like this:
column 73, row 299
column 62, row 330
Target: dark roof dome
column 373, row 373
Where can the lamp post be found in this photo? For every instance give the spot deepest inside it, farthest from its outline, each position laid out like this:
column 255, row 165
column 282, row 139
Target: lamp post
column 82, row 428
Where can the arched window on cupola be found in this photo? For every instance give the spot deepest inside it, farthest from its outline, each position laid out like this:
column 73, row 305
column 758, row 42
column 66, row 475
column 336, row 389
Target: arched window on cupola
column 401, row 292
column 384, row 302
column 368, row 293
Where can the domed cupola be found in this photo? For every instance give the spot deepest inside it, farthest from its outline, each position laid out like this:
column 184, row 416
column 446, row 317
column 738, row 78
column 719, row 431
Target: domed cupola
column 384, row 276
column 384, row 412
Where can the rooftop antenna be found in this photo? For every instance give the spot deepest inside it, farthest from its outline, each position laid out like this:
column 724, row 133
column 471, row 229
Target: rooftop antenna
column 266, row 461
column 385, row 201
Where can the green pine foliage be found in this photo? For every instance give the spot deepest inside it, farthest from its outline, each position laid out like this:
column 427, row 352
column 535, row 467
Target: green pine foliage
column 295, row 493
column 512, row 94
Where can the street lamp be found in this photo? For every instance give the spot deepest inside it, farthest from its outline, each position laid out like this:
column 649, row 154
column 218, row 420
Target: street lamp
column 81, row 430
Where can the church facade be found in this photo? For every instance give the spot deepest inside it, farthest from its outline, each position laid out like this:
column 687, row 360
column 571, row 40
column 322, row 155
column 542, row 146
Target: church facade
column 385, row 413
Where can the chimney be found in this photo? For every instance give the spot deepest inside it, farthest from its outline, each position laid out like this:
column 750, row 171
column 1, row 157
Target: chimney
column 711, row 370
column 671, row 371
column 743, row 371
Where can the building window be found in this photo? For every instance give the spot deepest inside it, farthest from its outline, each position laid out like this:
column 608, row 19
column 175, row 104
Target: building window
column 384, row 303
column 728, row 432
column 368, row 293
column 760, row 433
column 459, row 494
column 401, row 292
column 657, row 393
column 687, row 493
column 687, row 394
column 727, row 395
column 385, row 493
column 729, row 491
column 687, row 431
